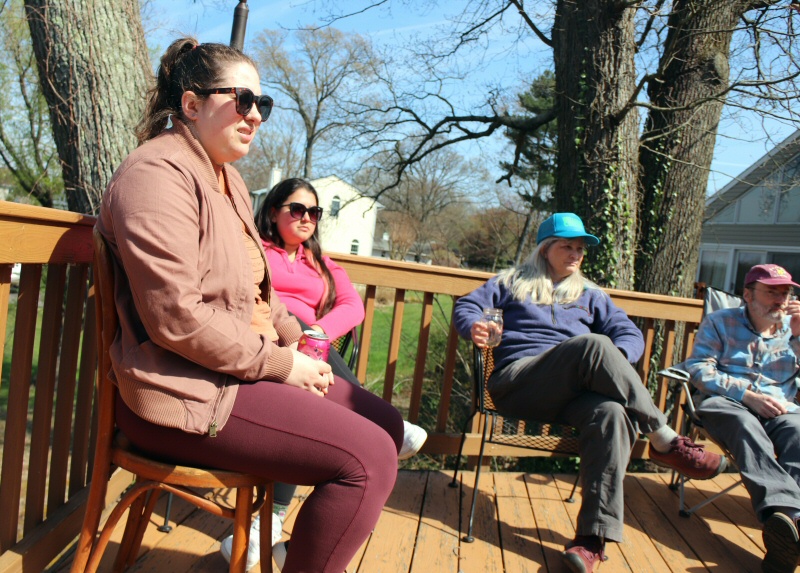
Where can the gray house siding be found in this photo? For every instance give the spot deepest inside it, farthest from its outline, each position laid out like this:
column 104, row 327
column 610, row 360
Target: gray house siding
column 755, row 235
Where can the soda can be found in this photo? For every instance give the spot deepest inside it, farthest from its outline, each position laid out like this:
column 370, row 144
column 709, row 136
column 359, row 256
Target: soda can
column 315, row 344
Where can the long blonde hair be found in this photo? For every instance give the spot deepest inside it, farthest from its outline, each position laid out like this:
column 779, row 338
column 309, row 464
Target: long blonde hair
column 532, row 279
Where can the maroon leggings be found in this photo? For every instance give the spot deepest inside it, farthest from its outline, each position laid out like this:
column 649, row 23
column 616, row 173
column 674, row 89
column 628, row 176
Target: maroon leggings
column 344, row 444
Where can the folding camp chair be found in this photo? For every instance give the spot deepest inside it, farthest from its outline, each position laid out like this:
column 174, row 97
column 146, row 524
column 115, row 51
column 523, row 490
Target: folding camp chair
column 503, row 430
column 713, row 299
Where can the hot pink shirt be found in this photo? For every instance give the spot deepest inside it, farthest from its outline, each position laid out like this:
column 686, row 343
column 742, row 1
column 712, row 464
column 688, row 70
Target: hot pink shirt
column 301, row 288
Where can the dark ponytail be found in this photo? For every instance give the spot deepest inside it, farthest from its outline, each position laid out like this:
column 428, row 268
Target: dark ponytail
column 269, row 232
column 186, row 65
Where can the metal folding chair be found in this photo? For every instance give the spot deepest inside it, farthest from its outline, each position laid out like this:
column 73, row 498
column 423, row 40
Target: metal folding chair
column 713, row 299
column 500, row 429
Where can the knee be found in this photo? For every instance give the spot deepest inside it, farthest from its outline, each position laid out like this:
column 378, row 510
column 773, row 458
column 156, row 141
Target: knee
column 613, row 422
column 380, row 462
column 595, row 341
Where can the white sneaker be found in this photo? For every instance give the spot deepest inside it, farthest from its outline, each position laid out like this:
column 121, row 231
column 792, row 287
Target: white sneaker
column 254, row 548
column 279, row 554
column 413, row 438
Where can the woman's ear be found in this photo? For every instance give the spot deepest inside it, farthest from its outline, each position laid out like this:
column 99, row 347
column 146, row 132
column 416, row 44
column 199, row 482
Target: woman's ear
column 190, row 105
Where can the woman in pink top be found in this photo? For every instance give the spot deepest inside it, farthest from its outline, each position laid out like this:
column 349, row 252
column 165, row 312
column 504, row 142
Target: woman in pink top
column 314, row 288
column 319, row 293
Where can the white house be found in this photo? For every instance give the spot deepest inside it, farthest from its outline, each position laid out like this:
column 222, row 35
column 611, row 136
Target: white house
column 754, row 219
column 348, row 218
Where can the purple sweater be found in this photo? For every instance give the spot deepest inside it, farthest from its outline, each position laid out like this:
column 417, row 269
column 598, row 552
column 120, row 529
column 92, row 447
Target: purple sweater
column 530, row 329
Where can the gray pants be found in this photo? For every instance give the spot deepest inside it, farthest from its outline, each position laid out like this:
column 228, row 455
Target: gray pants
column 767, row 451
column 588, row 383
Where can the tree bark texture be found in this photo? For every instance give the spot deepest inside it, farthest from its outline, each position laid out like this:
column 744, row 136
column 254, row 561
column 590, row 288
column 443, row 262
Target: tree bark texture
column 94, row 68
column 677, row 143
column 594, row 48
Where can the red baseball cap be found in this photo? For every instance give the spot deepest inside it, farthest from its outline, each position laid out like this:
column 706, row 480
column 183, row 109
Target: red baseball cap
column 772, row 275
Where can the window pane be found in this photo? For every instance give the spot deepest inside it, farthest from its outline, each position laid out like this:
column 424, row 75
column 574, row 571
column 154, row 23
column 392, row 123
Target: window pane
column 758, row 205
column 744, row 261
column 335, row 206
column 713, row 265
column 354, row 247
column 789, row 211
column 726, row 215
column 789, row 261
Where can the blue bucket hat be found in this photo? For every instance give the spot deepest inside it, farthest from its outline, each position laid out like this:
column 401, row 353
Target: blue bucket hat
column 564, row 226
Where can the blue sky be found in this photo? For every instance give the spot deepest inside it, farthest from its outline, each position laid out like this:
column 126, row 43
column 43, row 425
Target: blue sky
column 739, row 143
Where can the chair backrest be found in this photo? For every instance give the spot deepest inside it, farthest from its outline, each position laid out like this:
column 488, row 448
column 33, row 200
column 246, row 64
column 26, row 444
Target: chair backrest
column 716, row 299
column 531, row 434
column 107, row 326
column 344, row 342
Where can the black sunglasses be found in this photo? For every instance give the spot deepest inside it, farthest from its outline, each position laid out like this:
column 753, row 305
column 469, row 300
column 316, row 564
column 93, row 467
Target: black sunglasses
column 245, row 100
column 298, row 210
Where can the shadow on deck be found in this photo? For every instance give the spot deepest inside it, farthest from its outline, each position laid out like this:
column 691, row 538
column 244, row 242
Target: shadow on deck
column 521, row 524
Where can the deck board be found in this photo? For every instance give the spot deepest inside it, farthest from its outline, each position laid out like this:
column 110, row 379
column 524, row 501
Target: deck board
column 521, row 525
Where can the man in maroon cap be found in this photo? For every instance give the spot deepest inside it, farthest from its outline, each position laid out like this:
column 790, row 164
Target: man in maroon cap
column 745, row 367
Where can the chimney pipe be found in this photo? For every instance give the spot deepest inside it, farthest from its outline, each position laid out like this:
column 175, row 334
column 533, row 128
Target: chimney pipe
column 239, row 25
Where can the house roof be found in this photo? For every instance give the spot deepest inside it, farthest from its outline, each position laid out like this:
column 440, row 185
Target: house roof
column 751, row 176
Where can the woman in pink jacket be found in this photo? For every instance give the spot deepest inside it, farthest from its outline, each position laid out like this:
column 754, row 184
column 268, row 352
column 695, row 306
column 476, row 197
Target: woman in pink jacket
column 206, row 357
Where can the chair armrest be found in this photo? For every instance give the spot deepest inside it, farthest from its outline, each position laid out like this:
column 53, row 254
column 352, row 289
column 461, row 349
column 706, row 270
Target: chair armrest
column 675, row 373
column 681, row 376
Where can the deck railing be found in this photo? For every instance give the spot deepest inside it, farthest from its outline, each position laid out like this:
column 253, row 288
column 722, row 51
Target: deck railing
column 48, row 382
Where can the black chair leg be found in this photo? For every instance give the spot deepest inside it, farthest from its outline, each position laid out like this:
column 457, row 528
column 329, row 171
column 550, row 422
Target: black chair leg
column 454, row 483
column 571, row 498
column 469, row 538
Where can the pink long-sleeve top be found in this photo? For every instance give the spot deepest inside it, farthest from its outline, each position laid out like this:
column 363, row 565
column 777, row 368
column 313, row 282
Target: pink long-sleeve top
column 301, row 288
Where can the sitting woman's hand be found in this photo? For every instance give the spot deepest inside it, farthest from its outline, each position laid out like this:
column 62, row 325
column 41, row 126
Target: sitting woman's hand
column 308, row 374
column 479, row 333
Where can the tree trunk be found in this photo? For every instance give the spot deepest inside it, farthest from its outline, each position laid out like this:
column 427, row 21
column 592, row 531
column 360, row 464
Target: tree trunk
column 678, row 141
column 94, row 69
column 594, row 47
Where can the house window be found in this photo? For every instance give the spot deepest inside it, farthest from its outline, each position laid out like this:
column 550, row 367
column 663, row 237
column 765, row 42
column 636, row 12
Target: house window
column 713, row 267
column 789, row 210
column 335, row 206
column 354, row 247
column 758, row 204
column 789, row 261
column 744, row 261
column 726, row 215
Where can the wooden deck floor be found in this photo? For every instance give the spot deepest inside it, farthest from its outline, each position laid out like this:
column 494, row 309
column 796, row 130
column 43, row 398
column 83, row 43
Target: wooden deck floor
column 521, row 525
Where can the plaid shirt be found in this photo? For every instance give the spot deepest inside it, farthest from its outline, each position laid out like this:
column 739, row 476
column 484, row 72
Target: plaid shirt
column 729, row 357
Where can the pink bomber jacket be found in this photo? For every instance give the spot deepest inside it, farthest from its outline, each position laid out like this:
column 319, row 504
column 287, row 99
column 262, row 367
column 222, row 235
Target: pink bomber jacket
column 185, row 294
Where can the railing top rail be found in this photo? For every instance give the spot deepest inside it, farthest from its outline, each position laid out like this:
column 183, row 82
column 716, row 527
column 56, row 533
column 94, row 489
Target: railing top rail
column 30, row 234
column 9, row 210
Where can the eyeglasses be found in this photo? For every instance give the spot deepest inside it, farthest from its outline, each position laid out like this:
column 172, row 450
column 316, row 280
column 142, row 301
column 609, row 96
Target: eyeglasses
column 298, row 211
column 775, row 294
column 245, row 100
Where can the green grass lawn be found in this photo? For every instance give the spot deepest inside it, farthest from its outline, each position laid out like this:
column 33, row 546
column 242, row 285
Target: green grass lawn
column 379, row 346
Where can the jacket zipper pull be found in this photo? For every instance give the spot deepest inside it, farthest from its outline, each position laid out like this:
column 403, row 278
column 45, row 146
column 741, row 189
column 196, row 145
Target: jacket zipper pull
column 212, row 430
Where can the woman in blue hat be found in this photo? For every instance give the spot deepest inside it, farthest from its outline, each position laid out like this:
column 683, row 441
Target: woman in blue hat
column 566, row 356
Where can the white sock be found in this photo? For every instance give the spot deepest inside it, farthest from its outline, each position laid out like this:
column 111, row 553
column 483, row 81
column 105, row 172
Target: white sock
column 662, row 438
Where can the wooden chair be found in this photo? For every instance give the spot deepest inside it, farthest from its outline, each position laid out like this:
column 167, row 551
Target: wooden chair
column 152, row 477
column 498, row 429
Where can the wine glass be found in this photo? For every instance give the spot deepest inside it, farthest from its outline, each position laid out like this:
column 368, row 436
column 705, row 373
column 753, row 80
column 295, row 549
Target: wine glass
column 493, row 319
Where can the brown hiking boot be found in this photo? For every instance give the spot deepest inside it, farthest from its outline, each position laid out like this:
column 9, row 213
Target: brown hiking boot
column 689, row 459
column 583, row 553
